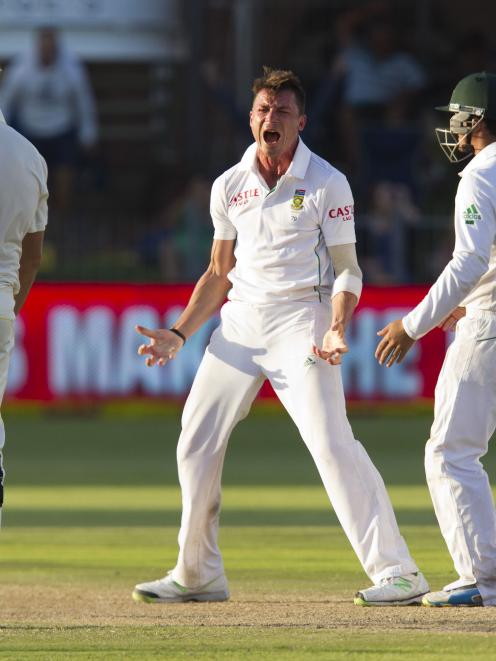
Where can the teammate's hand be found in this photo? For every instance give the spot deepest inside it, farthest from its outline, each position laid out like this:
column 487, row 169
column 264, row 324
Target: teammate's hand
column 333, row 345
column 163, row 345
column 452, row 319
column 394, row 345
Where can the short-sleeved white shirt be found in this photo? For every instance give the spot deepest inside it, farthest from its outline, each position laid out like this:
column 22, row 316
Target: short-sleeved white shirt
column 282, row 235
column 23, row 195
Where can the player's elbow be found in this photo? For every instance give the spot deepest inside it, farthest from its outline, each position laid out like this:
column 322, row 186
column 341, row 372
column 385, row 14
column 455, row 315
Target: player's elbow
column 222, row 259
column 481, row 268
column 31, row 252
column 470, row 269
column 220, row 268
column 221, row 271
column 30, row 264
column 217, row 272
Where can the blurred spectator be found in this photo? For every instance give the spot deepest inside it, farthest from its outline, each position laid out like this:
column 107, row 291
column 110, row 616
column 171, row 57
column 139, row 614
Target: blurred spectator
column 226, row 116
column 224, row 96
column 46, row 96
column 180, row 236
column 386, row 234
column 378, row 85
column 379, row 78
column 193, row 230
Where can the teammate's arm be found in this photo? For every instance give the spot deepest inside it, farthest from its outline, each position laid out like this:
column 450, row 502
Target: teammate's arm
column 441, row 302
column 32, row 249
column 346, row 292
column 208, row 294
column 469, row 263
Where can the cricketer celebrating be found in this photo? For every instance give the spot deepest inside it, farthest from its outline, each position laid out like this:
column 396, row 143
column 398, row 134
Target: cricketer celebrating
column 283, row 247
column 465, row 403
column 23, row 218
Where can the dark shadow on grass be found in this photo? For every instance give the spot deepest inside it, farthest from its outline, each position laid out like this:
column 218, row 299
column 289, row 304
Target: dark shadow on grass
column 231, row 517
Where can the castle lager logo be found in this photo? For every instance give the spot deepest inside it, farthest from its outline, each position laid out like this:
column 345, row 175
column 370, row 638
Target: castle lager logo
column 342, row 213
column 244, row 197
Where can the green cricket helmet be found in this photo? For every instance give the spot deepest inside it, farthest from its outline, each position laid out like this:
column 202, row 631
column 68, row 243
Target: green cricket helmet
column 473, row 99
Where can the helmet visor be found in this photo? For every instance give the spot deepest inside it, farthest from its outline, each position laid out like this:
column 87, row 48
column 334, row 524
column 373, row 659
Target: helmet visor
column 453, row 141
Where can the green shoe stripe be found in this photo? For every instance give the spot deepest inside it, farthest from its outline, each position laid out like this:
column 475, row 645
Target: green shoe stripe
column 403, row 584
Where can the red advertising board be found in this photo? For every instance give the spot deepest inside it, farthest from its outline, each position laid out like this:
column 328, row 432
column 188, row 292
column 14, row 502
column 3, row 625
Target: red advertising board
column 77, row 341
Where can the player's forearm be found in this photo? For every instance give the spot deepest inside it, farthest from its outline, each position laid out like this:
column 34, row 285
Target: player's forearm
column 343, row 306
column 208, row 295
column 456, row 281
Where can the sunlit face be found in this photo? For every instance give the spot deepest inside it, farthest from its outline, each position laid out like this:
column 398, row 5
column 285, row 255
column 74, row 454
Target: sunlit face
column 275, row 121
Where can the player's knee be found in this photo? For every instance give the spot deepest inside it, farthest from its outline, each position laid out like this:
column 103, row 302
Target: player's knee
column 429, row 464
column 450, row 460
column 434, row 460
column 185, row 454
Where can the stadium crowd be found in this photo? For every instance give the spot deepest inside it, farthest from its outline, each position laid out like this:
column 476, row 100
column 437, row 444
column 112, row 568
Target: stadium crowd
column 373, row 80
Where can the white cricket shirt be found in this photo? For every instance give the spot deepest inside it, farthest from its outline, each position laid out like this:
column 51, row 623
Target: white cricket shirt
column 282, row 235
column 23, row 208
column 470, row 277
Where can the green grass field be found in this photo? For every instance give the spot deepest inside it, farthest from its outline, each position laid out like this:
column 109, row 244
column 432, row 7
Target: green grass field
column 92, row 507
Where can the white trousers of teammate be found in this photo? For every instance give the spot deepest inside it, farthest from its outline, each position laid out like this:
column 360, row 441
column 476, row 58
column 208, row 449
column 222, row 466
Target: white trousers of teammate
column 255, row 342
column 464, row 421
column 6, row 346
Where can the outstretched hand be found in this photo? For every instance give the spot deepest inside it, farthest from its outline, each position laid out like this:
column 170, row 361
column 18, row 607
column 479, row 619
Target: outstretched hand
column 394, row 345
column 333, row 345
column 162, row 347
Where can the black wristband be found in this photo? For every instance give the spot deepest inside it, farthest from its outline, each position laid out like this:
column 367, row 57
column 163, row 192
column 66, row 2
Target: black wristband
column 179, row 334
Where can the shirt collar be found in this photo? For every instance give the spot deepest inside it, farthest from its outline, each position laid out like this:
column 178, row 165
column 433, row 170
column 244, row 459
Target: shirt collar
column 248, row 160
column 2, row 118
column 484, row 155
column 297, row 168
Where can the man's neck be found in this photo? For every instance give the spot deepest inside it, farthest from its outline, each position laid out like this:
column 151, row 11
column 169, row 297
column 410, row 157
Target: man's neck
column 481, row 141
column 272, row 169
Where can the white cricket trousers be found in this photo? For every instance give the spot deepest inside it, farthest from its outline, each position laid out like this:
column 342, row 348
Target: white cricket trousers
column 254, row 343
column 464, row 421
column 6, row 346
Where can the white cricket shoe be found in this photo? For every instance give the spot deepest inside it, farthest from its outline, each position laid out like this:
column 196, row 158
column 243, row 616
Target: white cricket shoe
column 166, row 590
column 468, row 595
column 394, row 591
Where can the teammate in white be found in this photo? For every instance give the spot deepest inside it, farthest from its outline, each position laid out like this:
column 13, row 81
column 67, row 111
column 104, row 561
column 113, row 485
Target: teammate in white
column 23, row 218
column 464, row 296
column 283, row 220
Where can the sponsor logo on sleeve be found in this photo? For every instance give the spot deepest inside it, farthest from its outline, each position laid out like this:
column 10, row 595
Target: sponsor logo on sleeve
column 342, row 213
column 471, row 214
column 298, row 199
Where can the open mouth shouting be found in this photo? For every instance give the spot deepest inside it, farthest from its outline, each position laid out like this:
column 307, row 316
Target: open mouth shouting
column 271, row 137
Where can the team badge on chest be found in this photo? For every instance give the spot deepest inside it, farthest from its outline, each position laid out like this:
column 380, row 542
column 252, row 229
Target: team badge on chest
column 298, row 199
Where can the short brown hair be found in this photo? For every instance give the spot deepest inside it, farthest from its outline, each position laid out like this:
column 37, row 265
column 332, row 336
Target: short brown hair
column 278, row 80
